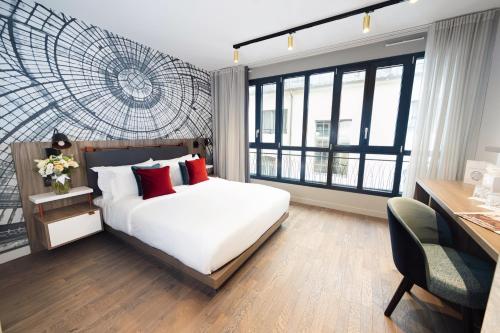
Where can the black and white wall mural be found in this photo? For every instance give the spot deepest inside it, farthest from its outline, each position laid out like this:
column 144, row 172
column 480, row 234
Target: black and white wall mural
column 57, row 71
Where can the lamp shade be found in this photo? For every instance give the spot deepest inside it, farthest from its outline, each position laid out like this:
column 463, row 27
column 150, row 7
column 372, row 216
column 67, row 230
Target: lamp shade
column 60, row 140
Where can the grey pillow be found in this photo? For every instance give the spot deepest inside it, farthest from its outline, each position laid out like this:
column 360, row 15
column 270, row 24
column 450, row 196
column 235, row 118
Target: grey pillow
column 184, row 173
column 138, row 178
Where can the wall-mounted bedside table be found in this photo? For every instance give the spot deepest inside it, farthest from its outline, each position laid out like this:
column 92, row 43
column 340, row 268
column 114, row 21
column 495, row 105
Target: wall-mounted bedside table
column 64, row 225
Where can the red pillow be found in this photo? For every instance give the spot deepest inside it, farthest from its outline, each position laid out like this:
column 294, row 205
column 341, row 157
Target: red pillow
column 155, row 182
column 197, row 171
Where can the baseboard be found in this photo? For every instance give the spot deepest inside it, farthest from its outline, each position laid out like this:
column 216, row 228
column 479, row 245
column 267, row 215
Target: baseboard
column 14, row 254
column 336, row 206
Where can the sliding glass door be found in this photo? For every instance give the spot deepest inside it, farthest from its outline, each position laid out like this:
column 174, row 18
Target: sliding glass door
column 344, row 127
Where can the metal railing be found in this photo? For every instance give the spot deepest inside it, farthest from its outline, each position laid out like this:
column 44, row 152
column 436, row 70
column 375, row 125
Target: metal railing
column 379, row 170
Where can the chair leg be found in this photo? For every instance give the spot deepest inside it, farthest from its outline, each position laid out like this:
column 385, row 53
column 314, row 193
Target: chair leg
column 468, row 319
column 404, row 286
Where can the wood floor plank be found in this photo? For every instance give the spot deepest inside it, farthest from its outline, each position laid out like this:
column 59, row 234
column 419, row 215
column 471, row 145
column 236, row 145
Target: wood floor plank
column 323, row 271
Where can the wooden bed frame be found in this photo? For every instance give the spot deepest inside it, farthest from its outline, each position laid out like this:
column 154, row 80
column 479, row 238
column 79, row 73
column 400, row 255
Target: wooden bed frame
column 214, row 280
column 136, row 155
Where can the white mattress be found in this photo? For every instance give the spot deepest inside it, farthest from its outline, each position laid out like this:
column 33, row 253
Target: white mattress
column 204, row 225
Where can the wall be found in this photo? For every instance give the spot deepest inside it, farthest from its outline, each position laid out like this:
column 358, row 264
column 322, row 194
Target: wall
column 59, row 72
column 347, row 56
column 370, row 205
column 346, row 201
column 490, row 125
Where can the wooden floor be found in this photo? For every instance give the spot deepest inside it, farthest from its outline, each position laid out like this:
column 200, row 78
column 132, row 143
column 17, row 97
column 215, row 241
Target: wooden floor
column 322, row 271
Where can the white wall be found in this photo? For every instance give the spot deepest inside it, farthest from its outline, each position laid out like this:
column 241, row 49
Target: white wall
column 490, row 125
column 345, row 201
column 348, row 56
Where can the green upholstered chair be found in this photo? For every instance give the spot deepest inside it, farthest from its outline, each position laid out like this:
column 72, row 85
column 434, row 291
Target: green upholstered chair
column 422, row 249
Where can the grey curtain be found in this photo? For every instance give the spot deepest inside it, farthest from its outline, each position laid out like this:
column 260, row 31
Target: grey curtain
column 229, row 104
column 457, row 64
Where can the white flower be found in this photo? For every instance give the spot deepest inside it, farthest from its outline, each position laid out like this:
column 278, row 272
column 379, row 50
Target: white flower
column 40, row 164
column 49, row 169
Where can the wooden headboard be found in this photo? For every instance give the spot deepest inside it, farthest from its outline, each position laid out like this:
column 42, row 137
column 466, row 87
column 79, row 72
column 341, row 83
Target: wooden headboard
column 30, row 182
column 114, row 157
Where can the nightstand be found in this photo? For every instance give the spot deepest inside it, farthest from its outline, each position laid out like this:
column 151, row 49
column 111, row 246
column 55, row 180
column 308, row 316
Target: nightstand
column 66, row 224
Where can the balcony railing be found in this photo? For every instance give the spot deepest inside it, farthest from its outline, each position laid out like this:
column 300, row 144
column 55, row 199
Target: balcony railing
column 379, row 170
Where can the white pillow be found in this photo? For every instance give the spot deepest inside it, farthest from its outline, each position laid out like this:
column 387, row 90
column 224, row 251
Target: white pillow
column 175, row 169
column 117, row 181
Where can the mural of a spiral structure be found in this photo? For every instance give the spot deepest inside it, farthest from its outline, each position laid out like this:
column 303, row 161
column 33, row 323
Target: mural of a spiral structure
column 59, row 72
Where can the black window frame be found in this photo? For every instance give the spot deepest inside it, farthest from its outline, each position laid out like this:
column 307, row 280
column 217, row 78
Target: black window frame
column 363, row 148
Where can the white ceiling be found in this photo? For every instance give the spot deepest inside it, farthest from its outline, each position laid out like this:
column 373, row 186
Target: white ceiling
column 202, row 32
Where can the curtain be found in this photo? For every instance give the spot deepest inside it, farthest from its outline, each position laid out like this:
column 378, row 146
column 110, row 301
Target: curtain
column 456, row 71
column 229, row 104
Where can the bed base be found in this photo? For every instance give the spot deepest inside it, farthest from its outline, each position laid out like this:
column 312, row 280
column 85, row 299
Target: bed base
column 214, row 280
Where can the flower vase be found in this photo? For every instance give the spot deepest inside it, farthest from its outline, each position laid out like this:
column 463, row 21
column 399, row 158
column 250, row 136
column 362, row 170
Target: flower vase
column 61, row 186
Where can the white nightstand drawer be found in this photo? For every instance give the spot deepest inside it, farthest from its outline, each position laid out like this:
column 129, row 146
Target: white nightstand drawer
column 72, row 228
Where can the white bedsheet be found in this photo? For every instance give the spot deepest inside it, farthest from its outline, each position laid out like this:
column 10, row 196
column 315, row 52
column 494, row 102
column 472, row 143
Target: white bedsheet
column 204, row 225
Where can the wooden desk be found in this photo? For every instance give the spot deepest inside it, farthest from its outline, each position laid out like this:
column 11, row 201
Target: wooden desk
column 452, row 197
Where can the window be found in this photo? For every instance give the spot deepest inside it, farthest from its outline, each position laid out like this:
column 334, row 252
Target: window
column 347, row 128
column 385, row 105
column 319, row 108
column 251, row 113
column 268, row 113
column 322, row 133
column 268, row 117
column 351, row 107
column 293, row 111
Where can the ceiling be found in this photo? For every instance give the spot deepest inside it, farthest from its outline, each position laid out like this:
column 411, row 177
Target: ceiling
column 202, row 32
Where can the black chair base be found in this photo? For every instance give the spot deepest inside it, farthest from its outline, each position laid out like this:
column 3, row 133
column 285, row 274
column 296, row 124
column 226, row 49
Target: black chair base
column 404, row 286
column 468, row 319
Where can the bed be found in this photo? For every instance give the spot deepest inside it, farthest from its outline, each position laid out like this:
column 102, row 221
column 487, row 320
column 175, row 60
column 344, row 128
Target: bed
column 206, row 231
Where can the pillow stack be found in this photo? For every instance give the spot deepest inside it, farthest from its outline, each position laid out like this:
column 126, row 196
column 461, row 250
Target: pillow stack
column 151, row 178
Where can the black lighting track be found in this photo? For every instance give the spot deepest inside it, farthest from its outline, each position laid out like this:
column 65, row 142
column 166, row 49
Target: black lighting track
column 367, row 9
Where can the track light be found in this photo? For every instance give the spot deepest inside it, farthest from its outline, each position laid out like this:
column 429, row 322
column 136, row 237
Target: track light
column 366, row 23
column 412, row 1
column 290, row 42
column 236, row 56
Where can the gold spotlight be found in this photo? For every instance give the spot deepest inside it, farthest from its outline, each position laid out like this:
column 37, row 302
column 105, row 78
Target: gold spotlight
column 290, row 42
column 236, row 56
column 366, row 23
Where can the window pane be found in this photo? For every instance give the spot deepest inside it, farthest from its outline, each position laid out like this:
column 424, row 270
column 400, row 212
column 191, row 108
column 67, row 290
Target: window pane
column 345, row 168
column 351, row 108
column 319, row 110
column 251, row 114
column 316, row 167
column 268, row 115
column 415, row 101
column 385, row 105
column 290, row 164
column 269, row 162
column 404, row 173
column 253, row 161
column 379, row 172
column 293, row 111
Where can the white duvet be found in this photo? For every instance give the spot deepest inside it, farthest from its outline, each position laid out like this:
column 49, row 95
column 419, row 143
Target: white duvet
column 204, row 225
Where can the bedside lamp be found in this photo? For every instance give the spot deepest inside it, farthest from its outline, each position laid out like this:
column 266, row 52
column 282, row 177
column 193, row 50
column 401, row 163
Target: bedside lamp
column 60, row 140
